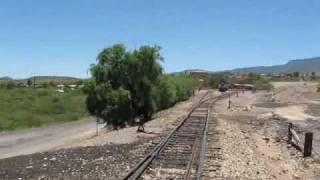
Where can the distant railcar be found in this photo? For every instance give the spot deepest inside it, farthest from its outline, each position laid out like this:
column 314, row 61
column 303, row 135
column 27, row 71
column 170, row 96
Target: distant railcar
column 223, row 87
column 242, row 86
column 226, row 87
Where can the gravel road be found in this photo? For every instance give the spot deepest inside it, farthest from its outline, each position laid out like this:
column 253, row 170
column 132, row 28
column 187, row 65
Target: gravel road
column 28, row 141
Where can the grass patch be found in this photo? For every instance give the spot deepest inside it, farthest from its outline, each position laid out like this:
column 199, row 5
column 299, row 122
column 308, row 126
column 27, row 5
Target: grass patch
column 28, row 107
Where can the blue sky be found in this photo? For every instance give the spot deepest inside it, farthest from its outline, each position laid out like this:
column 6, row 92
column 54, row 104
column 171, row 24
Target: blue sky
column 63, row 37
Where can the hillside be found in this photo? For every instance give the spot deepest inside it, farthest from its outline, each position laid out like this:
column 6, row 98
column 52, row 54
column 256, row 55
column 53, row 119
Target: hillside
column 56, row 79
column 299, row 65
column 45, row 79
column 5, row 79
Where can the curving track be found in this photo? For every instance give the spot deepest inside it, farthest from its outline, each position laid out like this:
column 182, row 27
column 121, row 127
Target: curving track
column 181, row 154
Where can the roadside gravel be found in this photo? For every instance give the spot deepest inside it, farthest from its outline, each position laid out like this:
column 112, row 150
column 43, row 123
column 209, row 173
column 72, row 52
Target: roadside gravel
column 253, row 143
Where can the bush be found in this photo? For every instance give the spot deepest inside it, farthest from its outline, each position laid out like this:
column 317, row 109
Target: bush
column 10, row 85
column 216, row 79
column 165, row 93
column 172, row 89
column 262, row 84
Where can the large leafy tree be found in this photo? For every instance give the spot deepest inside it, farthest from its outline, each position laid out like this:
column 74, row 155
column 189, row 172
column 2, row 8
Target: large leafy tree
column 121, row 87
column 144, row 72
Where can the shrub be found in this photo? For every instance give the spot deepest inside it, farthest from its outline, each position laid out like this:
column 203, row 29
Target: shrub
column 165, row 93
column 262, row 84
column 10, row 85
column 216, row 79
column 185, row 86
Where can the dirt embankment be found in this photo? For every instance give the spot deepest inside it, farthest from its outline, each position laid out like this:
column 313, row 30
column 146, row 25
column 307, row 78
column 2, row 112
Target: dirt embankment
column 254, row 144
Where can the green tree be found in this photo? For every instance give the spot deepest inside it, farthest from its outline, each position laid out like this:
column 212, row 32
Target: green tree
column 184, row 85
column 122, row 84
column 107, row 97
column 216, row 79
column 165, row 92
column 144, row 71
column 29, row 82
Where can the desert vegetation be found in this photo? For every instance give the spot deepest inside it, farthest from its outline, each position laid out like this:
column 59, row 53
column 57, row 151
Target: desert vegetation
column 216, row 79
column 130, row 85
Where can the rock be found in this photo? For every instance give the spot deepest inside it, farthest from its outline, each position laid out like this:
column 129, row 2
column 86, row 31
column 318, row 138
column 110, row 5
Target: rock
column 266, row 139
column 296, row 176
column 284, row 170
column 53, row 159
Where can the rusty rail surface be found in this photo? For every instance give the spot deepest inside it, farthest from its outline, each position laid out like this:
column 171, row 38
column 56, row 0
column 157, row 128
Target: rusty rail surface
column 183, row 149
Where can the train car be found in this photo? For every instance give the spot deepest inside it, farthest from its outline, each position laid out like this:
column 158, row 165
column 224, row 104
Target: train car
column 242, row 86
column 223, row 87
column 226, row 87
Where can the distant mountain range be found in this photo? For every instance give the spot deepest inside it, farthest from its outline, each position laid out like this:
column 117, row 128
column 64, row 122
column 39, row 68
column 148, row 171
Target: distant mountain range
column 6, row 78
column 44, row 79
column 298, row 65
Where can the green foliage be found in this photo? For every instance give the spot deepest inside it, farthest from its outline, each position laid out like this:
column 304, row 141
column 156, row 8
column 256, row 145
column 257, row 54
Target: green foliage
column 253, row 77
column 29, row 107
column 10, row 85
column 121, row 87
column 259, row 82
column 185, row 86
column 165, row 92
column 172, row 89
column 262, row 84
column 130, row 84
column 29, row 82
column 216, row 79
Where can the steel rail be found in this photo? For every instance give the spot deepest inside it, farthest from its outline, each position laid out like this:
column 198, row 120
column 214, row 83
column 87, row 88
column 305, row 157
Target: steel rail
column 139, row 169
column 203, row 146
column 144, row 163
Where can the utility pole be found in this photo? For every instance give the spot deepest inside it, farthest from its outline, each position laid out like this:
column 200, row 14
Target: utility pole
column 34, row 81
column 33, row 77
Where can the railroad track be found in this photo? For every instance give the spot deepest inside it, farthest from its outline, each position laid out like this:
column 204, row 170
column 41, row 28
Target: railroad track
column 181, row 154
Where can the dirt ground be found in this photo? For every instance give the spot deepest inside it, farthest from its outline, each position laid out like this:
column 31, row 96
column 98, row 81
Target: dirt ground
column 107, row 156
column 253, row 134
column 302, row 107
column 28, row 141
column 252, row 137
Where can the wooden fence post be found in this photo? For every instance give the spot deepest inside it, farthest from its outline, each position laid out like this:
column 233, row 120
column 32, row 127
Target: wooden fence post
column 290, row 133
column 229, row 102
column 307, row 150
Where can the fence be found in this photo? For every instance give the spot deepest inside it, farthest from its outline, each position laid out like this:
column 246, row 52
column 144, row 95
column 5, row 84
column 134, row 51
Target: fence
column 294, row 139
